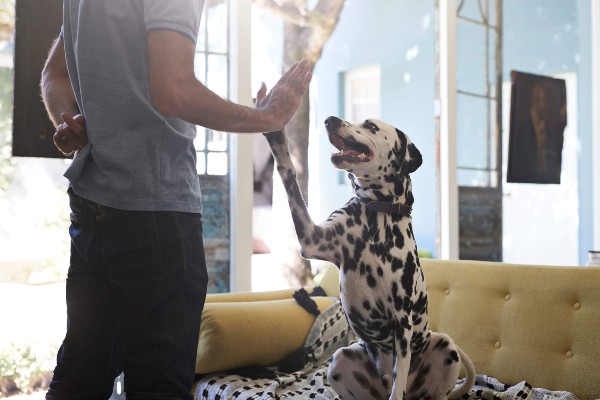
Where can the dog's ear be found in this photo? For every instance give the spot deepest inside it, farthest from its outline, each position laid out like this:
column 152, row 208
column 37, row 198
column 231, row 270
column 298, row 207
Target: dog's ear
column 414, row 158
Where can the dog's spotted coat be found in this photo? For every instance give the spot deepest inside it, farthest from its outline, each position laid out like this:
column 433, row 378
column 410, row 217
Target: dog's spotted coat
column 382, row 285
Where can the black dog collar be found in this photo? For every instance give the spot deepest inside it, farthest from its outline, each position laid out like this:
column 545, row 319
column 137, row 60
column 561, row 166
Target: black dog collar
column 389, row 208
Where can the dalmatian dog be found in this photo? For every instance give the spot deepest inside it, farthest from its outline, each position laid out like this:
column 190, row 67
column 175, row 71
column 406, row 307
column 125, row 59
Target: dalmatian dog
column 382, row 285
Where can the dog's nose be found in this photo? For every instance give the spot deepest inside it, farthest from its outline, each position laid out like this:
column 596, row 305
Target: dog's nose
column 333, row 124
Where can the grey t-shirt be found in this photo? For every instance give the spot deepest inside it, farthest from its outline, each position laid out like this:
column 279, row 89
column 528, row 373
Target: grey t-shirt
column 137, row 158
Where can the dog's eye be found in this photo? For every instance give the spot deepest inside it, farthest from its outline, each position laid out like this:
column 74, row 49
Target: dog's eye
column 371, row 126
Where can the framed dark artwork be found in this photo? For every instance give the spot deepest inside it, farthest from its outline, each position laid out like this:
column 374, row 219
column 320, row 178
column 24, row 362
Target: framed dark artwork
column 538, row 117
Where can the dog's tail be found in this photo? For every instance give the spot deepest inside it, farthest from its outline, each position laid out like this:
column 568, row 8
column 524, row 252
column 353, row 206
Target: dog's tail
column 469, row 379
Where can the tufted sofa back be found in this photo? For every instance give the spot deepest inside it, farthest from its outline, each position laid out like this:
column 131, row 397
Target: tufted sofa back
column 520, row 322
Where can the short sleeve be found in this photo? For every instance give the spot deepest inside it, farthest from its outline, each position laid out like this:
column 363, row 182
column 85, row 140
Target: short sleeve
column 182, row 16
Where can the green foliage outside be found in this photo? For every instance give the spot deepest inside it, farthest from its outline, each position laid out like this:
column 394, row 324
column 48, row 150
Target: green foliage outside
column 7, row 163
column 425, row 254
column 7, row 18
column 24, row 369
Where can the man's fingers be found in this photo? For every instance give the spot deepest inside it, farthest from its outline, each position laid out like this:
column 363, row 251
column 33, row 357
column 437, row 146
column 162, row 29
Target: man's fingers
column 62, row 144
column 299, row 80
column 75, row 130
column 295, row 72
column 71, row 135
column 284, row 78
column 302, row 68
column 80, row 118
column 77, row 141
column 74, row 124
column 306, row 81
column 262, row 93
column 283, row 99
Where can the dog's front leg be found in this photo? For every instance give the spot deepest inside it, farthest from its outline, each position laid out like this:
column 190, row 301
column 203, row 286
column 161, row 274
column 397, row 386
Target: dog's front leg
column 401, row 367
column 310, row 235
column 402, row 358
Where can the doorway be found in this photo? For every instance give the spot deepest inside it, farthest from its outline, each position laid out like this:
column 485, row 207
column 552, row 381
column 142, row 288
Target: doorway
column 541, row 221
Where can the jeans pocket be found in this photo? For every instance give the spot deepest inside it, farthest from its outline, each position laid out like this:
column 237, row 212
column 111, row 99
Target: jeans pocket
column 131, row 246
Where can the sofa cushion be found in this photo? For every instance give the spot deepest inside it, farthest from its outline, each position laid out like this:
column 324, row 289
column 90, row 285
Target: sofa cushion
column 239, row 334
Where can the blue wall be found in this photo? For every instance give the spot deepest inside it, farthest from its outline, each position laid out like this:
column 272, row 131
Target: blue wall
column 382, row 32
column 540, row 36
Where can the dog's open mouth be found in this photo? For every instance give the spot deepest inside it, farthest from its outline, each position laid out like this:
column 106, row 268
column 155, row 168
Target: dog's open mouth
column 350, row 150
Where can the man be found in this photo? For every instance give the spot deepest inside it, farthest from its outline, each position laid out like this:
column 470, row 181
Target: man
column 119, row 85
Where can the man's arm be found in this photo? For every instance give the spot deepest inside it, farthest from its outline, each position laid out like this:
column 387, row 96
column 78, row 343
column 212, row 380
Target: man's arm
column 175, row 91
column 57, row 91
column 60, row 102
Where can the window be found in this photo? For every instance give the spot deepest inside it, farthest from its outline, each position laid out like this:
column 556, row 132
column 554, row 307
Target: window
column 477, row 67
column 362, row 99
column 362, row 93
column 212, row 69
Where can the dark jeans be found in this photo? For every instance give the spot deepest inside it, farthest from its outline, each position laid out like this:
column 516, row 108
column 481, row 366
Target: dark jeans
column 135, row 292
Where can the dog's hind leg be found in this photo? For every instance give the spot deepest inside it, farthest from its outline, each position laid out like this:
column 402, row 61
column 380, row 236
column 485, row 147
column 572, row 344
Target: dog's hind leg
column 353, row 375
column 430, row 376
column 435, row 372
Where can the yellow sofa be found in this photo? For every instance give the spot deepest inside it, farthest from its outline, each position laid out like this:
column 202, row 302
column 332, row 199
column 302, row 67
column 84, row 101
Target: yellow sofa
column 521, row 322
column 538, row 324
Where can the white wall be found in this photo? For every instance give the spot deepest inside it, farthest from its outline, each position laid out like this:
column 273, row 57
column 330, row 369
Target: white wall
column 596, row 117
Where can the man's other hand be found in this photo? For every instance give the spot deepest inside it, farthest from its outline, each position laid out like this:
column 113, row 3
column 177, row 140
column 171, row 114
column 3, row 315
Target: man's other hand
column 71, row 135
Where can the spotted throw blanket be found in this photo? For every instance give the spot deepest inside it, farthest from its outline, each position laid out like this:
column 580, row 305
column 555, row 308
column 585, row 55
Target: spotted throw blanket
column 488, row 388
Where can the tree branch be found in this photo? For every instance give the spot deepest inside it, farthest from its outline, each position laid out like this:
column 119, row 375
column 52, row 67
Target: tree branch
column 325, row 14
column 285, row 11
column 330, row 8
